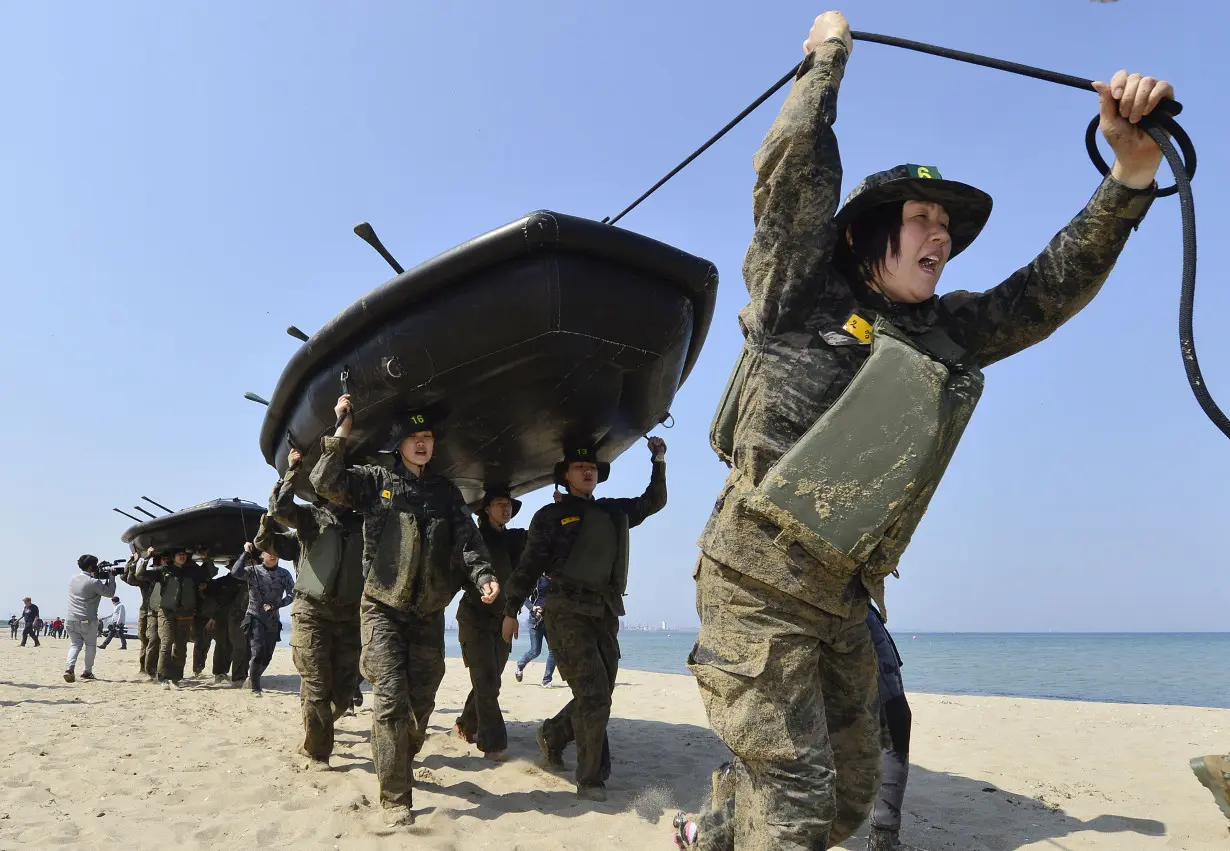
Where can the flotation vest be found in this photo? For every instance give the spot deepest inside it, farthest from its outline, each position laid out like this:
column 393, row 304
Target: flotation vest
column 852, row 490
column 331, row 569
column 598, row 560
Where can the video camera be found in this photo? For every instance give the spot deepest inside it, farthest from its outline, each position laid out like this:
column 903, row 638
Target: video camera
column 105, row 568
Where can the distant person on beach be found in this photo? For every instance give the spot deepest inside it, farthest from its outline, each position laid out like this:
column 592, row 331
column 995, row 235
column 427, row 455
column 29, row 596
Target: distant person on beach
column 853, row 387
column 269, row 589
column 325, row 638
column 29, row 614
column 115, row 628
column 85, row 591
column 13, row 622
column 538, row 632
column 416, row 527
column 582, row 545
column 479, row 627
column 1213, row 772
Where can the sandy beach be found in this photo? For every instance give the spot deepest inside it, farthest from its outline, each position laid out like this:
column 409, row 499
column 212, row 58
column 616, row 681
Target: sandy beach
column 121, row 763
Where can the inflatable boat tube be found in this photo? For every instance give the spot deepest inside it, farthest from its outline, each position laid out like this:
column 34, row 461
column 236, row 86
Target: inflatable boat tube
column 218, row 528
column 549, row 329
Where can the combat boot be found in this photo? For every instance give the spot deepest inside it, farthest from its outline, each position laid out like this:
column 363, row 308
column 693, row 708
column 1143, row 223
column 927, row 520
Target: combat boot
column 1214, row 773
column 554, row 756
column 883, row 839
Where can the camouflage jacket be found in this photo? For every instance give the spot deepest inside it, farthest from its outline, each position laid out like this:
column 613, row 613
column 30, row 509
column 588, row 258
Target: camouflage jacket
column 801, row 358
column 390, row 502
column 308, row 521
column 506, row 547
column 550, row 543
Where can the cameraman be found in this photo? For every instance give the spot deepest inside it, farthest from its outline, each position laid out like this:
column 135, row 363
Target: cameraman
column 84, row 592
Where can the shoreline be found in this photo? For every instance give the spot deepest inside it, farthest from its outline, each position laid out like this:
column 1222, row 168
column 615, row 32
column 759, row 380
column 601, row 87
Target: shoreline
column 123, row 761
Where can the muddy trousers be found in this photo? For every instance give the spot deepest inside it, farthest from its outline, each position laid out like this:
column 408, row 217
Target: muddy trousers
column 485, row 654
column 587, row 653
column 326, row 655
column 153, row 646
column 792, row 691
column 403, row 659
column 200, row 643
column 142, row 637
column 895, row 722
column 173, row 632
column 231, row 651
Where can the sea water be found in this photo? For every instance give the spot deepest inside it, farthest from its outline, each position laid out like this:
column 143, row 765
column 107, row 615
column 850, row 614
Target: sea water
column 1188, row 669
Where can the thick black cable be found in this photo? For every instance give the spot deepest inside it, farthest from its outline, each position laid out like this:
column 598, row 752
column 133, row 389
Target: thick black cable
column 1187, row 297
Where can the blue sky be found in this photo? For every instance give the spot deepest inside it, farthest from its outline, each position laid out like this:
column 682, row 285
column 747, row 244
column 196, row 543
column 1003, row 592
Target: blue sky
column 181, row 180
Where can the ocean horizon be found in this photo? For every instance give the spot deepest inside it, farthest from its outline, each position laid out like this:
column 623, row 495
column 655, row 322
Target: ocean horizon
column 1159, row 668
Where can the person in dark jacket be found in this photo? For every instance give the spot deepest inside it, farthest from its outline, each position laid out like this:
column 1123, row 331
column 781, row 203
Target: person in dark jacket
column 538, row 633
column 414, row 525
column 270, row 588
column 227, row 603
column 581, row 544
column 483, row 648
column 29, row 615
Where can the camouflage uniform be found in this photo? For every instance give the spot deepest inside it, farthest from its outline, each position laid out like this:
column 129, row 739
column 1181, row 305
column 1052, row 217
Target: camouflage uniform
column 483, row 649
column 583, row 624
column 324, row 633
column 179, row 598
column 413, row 528
column 228, row 595
column 147, row 624
column 784, row 662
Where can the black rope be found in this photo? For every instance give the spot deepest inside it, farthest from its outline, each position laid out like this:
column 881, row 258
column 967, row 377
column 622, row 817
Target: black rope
column 1159, row 124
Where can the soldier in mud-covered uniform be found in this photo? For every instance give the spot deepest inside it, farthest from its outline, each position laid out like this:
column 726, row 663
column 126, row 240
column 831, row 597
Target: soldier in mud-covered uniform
column 479, row 627
column 414, row 525
column 147, row 624
column 324, row 632
column 581, row 544
column 852, row 390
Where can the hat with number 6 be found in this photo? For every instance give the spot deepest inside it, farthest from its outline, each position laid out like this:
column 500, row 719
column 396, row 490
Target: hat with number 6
column 968, row 208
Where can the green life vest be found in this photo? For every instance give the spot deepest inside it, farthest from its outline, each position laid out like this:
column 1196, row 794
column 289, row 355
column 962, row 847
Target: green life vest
column 854, row 487
column 155, row 596
column 599, row 557
column 331, row 569
column 178, row 592
column 412, row 570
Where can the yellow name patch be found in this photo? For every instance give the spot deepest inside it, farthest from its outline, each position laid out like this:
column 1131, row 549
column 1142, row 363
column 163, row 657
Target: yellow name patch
column 387, row 494
column 859, row 328
column 568, row 520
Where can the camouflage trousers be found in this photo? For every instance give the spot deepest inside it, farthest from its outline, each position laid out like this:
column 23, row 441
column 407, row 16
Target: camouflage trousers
column 147, row 634
column 587, row 653
column 173, row 632
column 326, row 655
column 403, row 659
column 485, row 654
column 792, row 691
column 200, row 643
column 231, row 650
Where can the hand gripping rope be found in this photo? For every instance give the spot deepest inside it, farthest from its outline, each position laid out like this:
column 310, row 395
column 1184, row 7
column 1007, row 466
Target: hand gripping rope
column 1161, row 127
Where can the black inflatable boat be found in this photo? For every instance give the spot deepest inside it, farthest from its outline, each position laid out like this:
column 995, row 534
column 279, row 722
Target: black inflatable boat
column 218, row 528
column 549, row 329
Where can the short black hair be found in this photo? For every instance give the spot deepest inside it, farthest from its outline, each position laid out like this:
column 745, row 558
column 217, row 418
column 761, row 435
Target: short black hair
column 874, row 235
